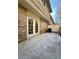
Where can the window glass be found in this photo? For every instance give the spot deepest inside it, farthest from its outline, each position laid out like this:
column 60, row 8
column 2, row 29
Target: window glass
column 30, row 26
column 36, row 26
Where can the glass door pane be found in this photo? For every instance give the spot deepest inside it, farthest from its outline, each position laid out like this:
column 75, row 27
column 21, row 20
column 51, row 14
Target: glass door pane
column 36, row 26
column 30, row 26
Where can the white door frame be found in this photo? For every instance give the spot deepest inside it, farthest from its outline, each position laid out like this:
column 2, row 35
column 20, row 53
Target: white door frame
column 29, row 35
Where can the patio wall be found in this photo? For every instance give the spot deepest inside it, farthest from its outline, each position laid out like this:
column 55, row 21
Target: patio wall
column 54, row 27
column 21, row 23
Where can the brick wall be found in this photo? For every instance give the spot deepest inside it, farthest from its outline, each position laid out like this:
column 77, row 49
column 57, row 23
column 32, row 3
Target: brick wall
column 55, row 28
column 43, row 26
column 21, row 23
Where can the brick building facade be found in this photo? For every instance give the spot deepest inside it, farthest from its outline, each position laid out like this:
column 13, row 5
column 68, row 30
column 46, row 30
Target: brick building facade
column 33, row 18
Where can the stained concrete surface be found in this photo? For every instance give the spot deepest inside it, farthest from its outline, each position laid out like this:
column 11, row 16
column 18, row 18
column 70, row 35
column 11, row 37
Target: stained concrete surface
column 43, row 46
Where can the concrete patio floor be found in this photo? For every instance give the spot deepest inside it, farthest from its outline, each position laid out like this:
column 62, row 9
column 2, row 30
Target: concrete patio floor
column 43, row 46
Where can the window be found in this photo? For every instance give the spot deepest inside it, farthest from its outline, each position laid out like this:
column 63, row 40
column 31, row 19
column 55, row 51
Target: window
column 30, row 25
column 36, row 26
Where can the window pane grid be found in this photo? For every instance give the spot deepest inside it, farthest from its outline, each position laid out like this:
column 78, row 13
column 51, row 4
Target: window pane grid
column 36, row 26
column 30, row 25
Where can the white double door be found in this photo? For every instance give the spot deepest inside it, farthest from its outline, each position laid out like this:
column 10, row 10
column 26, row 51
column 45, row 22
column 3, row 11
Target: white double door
column 32, row 27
